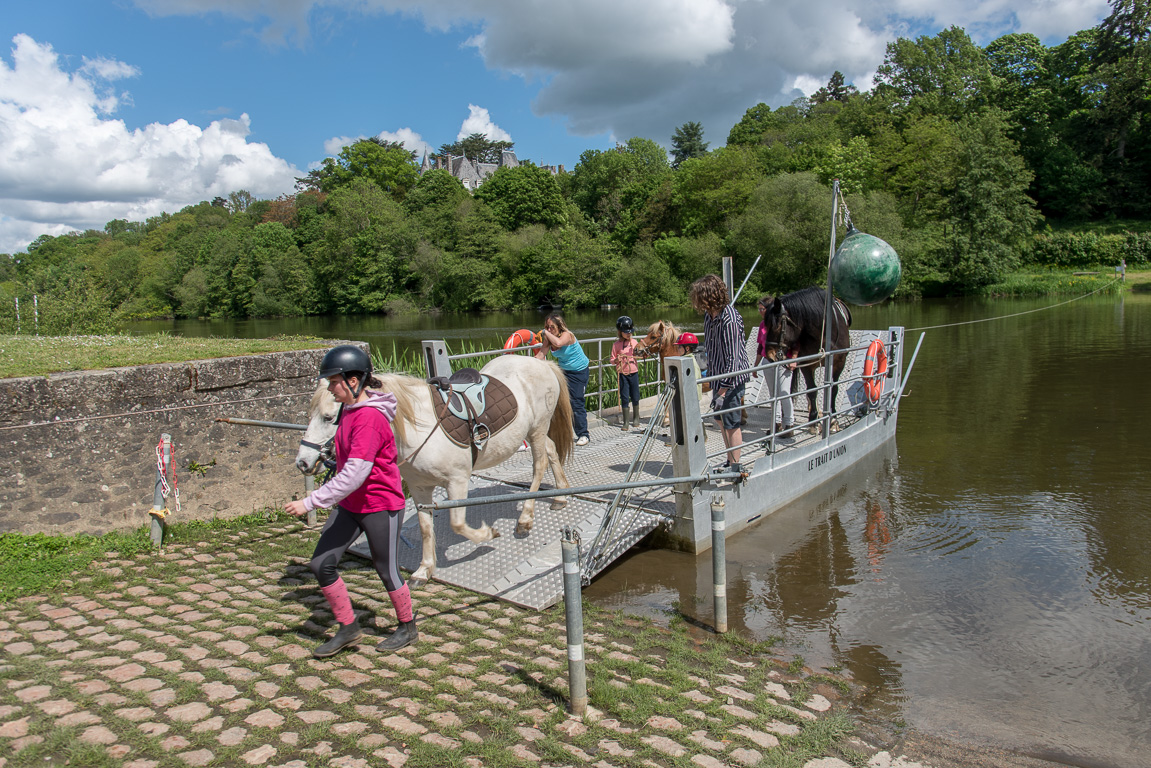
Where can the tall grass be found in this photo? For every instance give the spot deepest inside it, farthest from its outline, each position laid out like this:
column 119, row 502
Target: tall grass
column 1053, row 283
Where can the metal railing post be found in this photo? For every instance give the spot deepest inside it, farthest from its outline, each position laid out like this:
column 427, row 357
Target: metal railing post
column 436, row 359
column 158, row 504
column 573, row 610
column 688, row 443
column 719, row 561
column 309, row 486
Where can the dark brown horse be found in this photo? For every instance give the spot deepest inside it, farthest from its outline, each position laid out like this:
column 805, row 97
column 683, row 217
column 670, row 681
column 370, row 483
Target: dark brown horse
column 795, row 321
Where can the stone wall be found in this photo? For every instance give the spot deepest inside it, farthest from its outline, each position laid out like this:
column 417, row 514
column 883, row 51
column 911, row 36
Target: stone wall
column 77, row 450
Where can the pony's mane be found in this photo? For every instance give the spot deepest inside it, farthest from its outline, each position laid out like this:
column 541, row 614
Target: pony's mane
column 669, row 336
column 806, row 302
column 405, row 389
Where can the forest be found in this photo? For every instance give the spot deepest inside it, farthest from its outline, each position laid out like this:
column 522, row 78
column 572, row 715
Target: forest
column 972, row 162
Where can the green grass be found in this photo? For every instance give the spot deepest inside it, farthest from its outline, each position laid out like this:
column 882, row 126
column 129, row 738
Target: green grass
column 40, row 355
column 38, row 563
column 1049, row 283
column 1103, row 227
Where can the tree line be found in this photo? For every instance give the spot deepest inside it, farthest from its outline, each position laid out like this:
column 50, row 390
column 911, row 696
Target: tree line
column 960, row 156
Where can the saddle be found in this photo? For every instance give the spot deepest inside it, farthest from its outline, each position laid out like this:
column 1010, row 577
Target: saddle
column 472, row 408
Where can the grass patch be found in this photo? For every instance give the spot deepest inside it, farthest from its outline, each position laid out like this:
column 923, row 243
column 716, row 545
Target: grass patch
column 38, row 563
column 40, row 355
column 1049, row 283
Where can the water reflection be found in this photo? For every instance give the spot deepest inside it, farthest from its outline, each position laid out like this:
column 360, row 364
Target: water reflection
column 988, row 577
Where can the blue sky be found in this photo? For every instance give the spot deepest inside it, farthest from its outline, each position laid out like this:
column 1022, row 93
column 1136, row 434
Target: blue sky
column 126, row 108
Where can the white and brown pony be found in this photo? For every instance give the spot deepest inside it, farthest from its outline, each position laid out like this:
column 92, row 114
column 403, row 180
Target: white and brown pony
column 428, row 458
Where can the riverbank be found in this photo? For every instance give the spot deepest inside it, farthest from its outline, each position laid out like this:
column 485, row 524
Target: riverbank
column 201, row 655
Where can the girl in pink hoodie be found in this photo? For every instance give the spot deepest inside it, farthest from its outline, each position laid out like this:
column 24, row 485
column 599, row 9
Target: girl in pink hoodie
column 367, row 495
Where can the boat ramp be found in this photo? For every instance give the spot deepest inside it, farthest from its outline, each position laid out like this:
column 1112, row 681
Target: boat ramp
column 608, row 520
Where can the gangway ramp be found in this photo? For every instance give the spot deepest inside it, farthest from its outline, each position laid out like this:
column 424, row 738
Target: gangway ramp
column 528, row 571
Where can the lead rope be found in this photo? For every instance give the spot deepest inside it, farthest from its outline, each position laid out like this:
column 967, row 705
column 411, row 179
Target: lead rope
column 165, row 489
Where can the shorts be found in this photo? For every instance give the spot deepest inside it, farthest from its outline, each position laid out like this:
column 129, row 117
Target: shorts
column 731, row 399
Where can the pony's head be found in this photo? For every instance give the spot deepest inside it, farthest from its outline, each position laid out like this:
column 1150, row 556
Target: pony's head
column 661, row 336
column 782, row 332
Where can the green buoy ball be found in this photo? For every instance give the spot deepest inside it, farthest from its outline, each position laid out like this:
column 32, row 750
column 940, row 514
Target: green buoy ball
column 865, row 269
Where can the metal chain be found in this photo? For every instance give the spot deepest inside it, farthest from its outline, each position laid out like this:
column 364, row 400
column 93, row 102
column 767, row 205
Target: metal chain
column 162, row 468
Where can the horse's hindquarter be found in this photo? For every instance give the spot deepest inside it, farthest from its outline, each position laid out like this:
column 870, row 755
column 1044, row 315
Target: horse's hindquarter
column 536, row 390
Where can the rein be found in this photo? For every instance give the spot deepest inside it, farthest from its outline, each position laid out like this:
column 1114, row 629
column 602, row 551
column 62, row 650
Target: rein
column 432, row 431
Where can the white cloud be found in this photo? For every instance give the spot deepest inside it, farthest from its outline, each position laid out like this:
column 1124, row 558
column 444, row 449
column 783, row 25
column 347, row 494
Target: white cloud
column 65, row 165
column 479, row 121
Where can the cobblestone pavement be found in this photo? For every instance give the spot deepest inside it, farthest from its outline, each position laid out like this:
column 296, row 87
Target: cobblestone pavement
column 201, row 656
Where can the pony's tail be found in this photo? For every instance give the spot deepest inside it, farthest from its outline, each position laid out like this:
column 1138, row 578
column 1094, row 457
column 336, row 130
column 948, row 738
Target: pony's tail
column 560, row 430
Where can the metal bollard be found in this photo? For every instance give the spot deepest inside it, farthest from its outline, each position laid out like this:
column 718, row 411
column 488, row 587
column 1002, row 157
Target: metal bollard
column 309, row 486
column 573, row 609
column 719, row 561
column 158, row 503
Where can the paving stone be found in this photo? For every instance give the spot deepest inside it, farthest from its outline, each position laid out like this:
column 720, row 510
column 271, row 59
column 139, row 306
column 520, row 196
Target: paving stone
column 56, row 707
column 826, row 762
column 404, row 725
column 440, row 741
column 817, row 703
column 782, row 728
column 337, row 695
column 19, row 745
column 190, row 713
column 76, row 719
column 98, row 734
column 110, row 699
column 313, row 716
column 664, row 723
column 197, row 757
column 118, row 751
column 707, row 761
column 738, row 711
column 265, row 718
column 701, row 738
column 259, row 755
column 237, row 705
column 216, row 691
column 124, row 672
column 665, row 745
column 34, row 693
column 135, row 714
column 162, row 697
column 14, row 729
column 765, row 740
column 211, row 724
column 777, row 690
column 232, row 737
column 746, row 756
column 445, row 719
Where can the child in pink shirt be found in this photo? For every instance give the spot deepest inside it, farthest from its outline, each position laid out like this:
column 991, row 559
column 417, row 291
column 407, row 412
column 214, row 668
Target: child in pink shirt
column 623, row 358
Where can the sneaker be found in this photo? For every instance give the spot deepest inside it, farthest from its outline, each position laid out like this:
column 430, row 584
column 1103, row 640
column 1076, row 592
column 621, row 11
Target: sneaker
column 347, row 635
column 582, row 441
column 405, row 635
column 523, row 447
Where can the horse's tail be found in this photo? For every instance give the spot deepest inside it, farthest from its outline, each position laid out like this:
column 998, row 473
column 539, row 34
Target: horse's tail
column 560, row 430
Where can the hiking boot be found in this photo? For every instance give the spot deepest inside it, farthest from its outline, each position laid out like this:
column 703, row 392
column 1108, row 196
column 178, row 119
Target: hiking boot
column 404, row 636
column 347, row 635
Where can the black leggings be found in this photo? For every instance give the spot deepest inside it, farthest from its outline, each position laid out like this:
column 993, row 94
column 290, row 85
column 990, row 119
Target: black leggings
column 342, row 530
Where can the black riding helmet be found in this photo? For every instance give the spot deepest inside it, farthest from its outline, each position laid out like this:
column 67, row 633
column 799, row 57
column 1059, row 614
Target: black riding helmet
column 624, row 324
column 344, row 360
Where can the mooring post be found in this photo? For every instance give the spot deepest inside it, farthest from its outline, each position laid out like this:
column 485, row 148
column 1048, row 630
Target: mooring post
column 719, row 561
column 573, row 609
column 309, row 486
column 159, row 510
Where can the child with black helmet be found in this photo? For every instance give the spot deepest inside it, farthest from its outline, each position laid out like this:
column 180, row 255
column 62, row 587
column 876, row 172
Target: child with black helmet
column 367, row 495
column 623, row 358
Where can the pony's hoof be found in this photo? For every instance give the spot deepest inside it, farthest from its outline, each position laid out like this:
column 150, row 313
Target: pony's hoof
column 495, row 533
column 559, row 503
column 414, row 583
column 522, row 530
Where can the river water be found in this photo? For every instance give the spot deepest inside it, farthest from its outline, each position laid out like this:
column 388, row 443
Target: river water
column 988, row 577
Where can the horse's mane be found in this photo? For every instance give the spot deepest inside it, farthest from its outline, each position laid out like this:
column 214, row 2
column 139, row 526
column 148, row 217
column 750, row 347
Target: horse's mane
column 669, row 336
column 806, row 303
column 405, row 389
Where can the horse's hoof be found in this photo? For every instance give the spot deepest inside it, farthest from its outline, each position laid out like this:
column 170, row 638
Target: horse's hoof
column 522, row 530
column 559, row 503
column 495, row 533
column 414, row 583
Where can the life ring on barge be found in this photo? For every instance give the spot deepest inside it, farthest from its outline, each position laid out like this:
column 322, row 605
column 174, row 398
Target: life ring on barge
column 521, row 338
column 874, row 369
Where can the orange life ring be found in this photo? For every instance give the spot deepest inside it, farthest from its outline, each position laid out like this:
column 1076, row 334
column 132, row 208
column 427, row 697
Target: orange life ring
column 874, row 369
column 521, row 338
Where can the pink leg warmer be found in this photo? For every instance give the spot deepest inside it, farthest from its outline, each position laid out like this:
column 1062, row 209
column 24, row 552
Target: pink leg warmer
column 337, row 595
column 402, row 602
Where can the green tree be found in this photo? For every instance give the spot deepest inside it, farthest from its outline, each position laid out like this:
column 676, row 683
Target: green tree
column 687, row 142
column 709, row 190
column 522, row 196
column 612, row 187
column 387, row 164
column 477, row 146
column 945, row 75
column 835, row 90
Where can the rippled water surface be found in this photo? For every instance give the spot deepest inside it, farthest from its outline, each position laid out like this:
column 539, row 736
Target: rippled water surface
column 988, row 576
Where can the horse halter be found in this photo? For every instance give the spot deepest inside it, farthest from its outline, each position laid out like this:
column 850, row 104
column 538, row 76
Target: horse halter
column 327, row 456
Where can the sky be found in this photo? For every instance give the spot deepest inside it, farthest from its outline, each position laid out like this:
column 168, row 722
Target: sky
column 124, row 109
